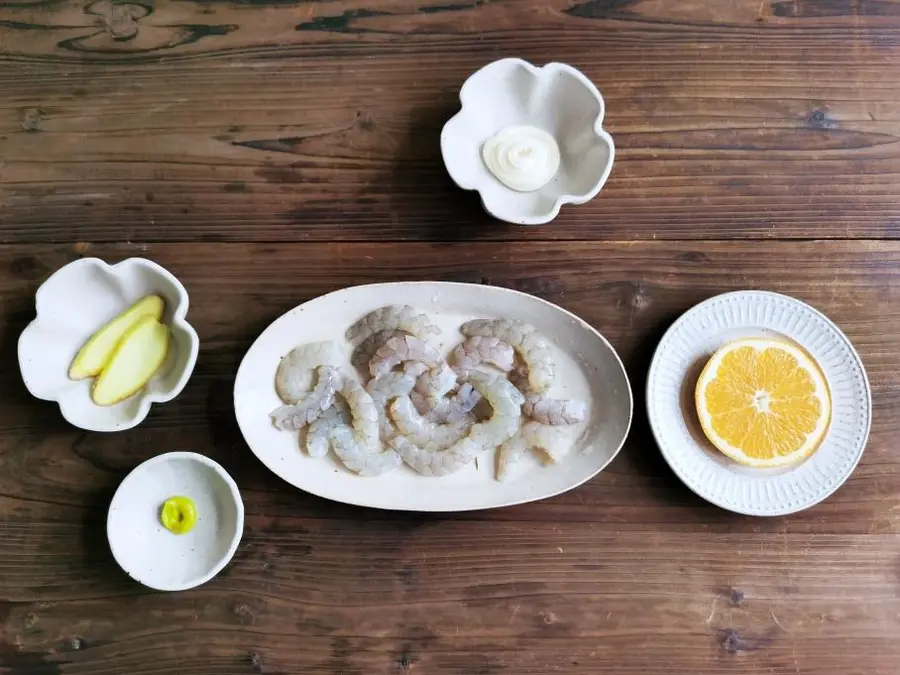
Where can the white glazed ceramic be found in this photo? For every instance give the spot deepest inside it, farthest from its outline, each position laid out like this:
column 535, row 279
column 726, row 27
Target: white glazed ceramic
column 71, row 305
column 587, row 368
column 556, row 98
column 152, row 555
column 685, row 350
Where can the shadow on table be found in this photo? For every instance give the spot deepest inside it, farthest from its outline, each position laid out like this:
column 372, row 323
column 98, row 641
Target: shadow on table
column 641, row 448
column 420, row 188
column 33, row 423
column 18, row 408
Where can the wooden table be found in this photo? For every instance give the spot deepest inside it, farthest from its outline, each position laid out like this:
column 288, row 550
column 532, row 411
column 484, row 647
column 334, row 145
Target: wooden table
column 269, row 152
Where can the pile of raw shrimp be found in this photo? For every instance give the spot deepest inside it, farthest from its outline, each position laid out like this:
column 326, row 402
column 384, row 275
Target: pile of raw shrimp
column 411, row 406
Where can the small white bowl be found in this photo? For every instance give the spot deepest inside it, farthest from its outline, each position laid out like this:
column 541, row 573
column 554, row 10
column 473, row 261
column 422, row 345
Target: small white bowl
column 71, row 305
column 556, row 98
column 152, row 555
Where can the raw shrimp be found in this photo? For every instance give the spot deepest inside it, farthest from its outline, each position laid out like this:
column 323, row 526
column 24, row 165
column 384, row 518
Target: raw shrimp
column 464, row 401
column 317, row 438
column 421, row 431
column 393, row 384
column 508, row 455
column 383, row 389
column 363, row 414
column 436, row 382
column 530, row 347
column 356, row 457
column 549, row 441
column 447, row 410
column 357, row 446
column 439, row 462
column 294, row 377
column 393, row 317
column 532, row 436
column 480, row 349
column 293, row 417
column 554, row 411
column 364, row 353
column 399, row 350
column 506, row 402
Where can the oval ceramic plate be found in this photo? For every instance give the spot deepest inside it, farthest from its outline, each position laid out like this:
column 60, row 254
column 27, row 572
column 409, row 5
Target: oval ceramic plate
column 683, row 353
column 587, row 368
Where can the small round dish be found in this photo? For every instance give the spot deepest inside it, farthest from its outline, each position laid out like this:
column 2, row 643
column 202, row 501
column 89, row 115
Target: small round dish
column 156, row 557
column 74, row 302
column 676, row 366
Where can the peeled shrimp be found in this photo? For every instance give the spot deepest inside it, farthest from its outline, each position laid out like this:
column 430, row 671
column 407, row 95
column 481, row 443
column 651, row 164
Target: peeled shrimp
column 554, row 411
column 447, row 410
column 436, row 382
column 506, row 402
column 317, row 438
column 532, row 436
column 363, row 414
column 294, row 377
column 305, row 411
column 383, row 389
column 399, row 350
column 508, row 455
column 393, row 317
column 421, row 431
column 530, row 347
column 549, row 441
column 364, row 353
column 464, row 401
column 480, row 349
column 357, row 445
column 358, row 458
column 437, row 462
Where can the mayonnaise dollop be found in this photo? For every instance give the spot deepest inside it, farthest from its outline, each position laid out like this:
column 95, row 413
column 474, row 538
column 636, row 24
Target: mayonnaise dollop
column 521, row 157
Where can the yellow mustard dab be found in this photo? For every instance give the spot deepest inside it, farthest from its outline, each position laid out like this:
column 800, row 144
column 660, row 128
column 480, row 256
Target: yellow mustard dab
column 178, row 514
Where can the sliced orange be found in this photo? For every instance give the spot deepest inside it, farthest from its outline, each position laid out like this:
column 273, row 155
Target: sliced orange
column 763, row 402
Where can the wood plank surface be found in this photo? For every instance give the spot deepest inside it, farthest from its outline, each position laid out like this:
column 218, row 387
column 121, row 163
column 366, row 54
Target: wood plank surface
column 270, row 151
column 290, row 120
column 629, row 573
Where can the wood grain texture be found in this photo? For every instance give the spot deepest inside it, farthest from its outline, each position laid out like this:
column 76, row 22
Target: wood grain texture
column 270, row 151
column 255, row 120
column 627, row 574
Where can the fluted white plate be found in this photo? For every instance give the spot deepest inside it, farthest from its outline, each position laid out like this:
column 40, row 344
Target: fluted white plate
column 681, row 356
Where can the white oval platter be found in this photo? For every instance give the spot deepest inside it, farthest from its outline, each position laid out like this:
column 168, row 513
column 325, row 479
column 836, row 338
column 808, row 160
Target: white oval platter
column 587, row 368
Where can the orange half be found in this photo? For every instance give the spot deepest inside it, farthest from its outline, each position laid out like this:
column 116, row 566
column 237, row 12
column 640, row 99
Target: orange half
column 763, row 402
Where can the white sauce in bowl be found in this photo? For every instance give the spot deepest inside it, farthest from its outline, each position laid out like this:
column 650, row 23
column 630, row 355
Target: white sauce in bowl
column 521, row 157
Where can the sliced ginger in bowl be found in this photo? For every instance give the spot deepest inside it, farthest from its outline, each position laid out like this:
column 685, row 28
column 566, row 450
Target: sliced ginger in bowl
column 96, row 352
column 124, row 354
column 141, row 352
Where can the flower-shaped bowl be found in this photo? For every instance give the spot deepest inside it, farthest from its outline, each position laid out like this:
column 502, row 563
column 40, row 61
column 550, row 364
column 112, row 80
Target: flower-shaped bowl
column 555, row 98
column 71, row 305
